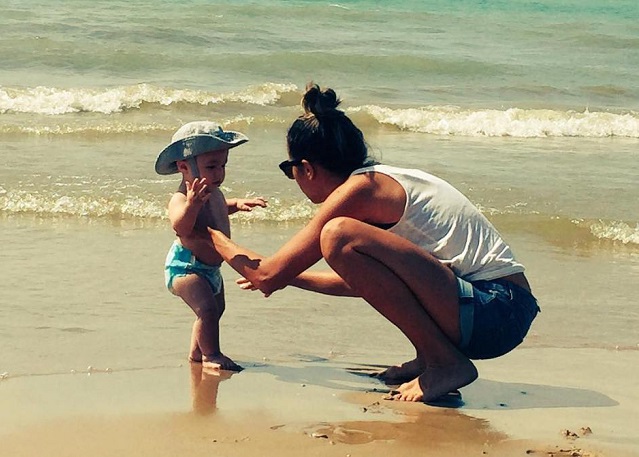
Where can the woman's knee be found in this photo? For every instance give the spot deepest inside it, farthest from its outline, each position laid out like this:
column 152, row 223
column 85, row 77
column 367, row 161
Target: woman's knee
column 337, row 236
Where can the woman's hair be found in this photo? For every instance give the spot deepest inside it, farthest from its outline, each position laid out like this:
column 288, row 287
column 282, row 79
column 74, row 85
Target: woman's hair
column 325, row 135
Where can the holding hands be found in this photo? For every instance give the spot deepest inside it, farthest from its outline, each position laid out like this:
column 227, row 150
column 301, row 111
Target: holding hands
column 245, row 284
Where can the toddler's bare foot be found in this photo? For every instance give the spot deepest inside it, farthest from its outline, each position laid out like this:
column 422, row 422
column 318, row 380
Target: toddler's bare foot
column 402, row 373
column 220, row 362
column 436, row 381
column 195, row 356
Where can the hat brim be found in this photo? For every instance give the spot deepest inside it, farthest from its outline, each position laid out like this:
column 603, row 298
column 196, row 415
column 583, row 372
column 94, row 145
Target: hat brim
column 194, row 146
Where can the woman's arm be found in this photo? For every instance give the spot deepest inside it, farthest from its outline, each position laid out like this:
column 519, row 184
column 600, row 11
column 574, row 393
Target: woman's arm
column 269, row 274
column 359, row 198
column 324, row 282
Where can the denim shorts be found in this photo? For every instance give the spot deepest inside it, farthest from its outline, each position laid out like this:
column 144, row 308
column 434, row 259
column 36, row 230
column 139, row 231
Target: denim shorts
column 494, row 317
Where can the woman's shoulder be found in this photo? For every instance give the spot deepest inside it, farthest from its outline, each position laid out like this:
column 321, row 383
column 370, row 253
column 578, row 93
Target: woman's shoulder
column 386, row 177
column 377, row 196
column 391, row 170
column 372, row 168
column 369, row 178
column 406, row 177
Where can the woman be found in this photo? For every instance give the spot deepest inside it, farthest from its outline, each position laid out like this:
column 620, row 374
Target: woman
column 405, row 241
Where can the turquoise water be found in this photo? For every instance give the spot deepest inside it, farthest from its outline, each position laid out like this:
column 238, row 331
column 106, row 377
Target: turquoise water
column 547, row 90
column 553, row 54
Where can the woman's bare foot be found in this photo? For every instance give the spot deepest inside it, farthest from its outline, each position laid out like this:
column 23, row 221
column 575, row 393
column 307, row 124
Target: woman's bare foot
column 436, row 381
column 220, row 362
column 405, row 372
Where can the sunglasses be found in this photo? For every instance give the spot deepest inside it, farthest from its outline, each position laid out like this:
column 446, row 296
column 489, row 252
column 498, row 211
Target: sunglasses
column 287, row 167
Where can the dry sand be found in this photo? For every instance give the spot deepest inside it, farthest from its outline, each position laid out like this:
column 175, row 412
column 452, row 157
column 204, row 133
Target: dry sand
column 540, row 402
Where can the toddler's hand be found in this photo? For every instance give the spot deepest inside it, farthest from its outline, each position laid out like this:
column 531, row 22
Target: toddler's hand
column 198, row 191
column 245, row 284
column 247, row 204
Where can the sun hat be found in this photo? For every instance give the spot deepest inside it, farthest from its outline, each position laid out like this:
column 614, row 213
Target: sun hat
column 194, row 139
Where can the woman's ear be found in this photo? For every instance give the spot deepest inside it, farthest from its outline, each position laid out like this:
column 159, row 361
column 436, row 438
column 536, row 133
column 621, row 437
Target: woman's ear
column 309, row 169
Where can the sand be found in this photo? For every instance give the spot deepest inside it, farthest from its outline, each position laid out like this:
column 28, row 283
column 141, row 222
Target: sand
column 572, row 402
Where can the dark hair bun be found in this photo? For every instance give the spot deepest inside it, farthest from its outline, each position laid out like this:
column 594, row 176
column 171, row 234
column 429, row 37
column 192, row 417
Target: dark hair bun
column 319, row 102
column 325, row 135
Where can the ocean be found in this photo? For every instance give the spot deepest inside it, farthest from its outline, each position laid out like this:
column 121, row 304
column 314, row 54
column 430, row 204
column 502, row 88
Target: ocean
column 531, row 108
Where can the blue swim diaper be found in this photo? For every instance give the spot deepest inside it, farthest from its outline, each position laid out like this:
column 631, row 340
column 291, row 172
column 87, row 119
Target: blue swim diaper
column 180, row 261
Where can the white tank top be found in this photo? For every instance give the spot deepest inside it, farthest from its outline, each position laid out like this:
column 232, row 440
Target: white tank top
column 442, row 221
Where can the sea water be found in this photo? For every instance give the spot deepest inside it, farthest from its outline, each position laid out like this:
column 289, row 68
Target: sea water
column 529, row 108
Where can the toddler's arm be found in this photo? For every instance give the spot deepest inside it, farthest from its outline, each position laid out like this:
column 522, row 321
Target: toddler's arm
column 244, row 204
column 184, row 209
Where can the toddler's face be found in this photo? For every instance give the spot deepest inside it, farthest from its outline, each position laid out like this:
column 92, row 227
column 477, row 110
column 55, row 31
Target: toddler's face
column 212, row 166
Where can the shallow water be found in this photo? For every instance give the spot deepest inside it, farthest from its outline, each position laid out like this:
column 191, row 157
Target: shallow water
column 529, row 108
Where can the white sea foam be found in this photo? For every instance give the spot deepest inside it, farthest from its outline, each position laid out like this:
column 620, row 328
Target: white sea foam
column 111, row 126
column 83, row 206
column 514, row 122
column 57, row 101
column 277, row 212
column 436, row 120
column 133, row 207
column 616, row 231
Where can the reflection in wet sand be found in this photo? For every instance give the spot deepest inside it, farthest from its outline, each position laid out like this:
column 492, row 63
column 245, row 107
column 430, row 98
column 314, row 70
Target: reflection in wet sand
column 204, row 386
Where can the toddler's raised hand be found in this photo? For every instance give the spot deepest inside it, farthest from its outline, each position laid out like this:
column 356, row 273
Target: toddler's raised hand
column 198, row 191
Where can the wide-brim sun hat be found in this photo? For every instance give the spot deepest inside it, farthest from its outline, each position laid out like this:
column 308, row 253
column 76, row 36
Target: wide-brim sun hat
column 194, row 139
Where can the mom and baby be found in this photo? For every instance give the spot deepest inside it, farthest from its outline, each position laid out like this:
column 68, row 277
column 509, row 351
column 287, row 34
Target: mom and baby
column 407, row 242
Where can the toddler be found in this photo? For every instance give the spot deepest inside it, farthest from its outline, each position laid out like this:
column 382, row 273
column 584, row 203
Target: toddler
column 199, row 151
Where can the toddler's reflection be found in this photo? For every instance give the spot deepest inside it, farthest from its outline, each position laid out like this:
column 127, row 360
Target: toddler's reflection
column 204, row 387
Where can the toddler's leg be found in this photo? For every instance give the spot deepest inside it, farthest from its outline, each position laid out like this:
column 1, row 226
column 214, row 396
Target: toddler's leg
column 195, row 355
column 205, row 337
column 210, row 338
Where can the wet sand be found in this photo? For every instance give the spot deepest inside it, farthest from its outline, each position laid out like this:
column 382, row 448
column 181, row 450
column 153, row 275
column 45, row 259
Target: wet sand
column 572, row 402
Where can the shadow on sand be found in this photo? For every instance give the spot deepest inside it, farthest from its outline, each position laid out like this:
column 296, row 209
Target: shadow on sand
column 482, row 394
column 488, row 394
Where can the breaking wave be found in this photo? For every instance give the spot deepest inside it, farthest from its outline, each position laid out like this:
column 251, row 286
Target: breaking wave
column 514, row 122
column 56, row 101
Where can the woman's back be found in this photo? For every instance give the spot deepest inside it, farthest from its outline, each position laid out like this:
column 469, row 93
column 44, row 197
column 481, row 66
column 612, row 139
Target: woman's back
column 441, row 220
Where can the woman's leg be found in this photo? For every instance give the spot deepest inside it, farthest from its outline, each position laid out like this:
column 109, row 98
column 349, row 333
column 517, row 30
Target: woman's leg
column 399, row 374
column 413, row 290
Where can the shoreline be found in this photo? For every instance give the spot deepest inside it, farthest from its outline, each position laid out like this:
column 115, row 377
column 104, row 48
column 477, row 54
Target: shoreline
column 578, row 402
